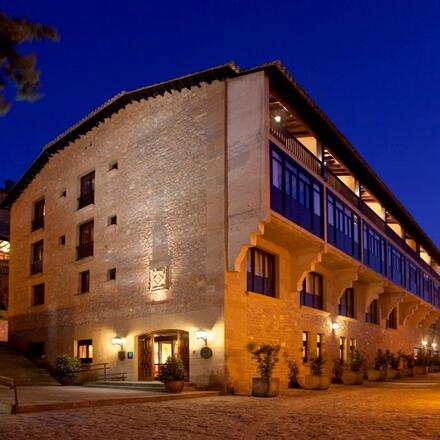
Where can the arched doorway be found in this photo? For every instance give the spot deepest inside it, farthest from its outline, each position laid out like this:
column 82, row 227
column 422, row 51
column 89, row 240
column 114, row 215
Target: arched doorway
column 155, row 347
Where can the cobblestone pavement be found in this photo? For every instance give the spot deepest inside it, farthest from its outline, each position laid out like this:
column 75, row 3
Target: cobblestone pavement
column 386, row 411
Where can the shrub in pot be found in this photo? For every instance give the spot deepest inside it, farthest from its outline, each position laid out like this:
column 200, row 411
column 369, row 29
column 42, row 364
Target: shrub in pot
column 266, row 357
column 317, row 380
column 353, row 372
column 172, row 373
column 67, row 369
column 293, row 374
column 393, row 363
column 380, row 366
column 420, row 363
column 338, row 370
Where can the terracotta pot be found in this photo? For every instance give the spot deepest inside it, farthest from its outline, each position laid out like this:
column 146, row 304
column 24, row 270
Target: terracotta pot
column 352, row 377
column 265, row 388
column 174, row 386
column 391, row 374
column 376, row 375
column 66, row 381
column 420, row 370
column 316, row 382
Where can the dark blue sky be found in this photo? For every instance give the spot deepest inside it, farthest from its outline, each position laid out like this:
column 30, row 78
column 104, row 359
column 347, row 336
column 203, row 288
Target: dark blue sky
column 373, row 67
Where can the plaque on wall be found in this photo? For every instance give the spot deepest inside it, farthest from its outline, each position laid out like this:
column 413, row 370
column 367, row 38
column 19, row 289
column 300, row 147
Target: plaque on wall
column 206, row 353
column 159, row 278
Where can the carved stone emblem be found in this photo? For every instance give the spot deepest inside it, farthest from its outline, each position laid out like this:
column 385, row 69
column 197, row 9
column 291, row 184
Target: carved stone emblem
column 159, row 278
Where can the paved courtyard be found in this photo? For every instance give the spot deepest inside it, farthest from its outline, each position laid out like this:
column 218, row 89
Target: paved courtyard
column 408, row 410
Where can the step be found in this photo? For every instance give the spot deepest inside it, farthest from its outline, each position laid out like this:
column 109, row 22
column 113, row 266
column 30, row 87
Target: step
column 132, row 385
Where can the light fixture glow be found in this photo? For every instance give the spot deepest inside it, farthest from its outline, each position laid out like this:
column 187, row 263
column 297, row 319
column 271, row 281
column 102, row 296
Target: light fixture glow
column 117, row 340
column 202, row 334
column 277, row 118
column 424, row 342
column 434, row 345
column 335, row 325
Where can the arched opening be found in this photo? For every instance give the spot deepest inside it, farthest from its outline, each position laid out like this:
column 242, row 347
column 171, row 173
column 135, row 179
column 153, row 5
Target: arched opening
column 155, row 347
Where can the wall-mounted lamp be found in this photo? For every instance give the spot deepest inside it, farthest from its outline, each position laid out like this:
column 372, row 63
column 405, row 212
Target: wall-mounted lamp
column 424, row 342
column 335, row 326
column 117, row 340
column 277, row 119
column 434, row 345
column 202, row 334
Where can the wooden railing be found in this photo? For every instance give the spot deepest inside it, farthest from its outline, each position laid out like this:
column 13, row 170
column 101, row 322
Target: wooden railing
column 104, row 368
column 9, row 383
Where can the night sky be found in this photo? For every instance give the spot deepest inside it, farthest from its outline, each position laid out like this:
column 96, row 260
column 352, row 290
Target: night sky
column 373, row 67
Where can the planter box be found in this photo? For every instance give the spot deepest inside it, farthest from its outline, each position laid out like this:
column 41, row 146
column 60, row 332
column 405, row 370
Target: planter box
column 175, row 386
column 352, row 378
column 420, row 370
column 391, row 374
column 316, row 382
column 265, row 388
column 376, row 375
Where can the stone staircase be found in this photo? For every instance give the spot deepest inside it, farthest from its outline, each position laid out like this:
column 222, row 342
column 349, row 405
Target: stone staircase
column 136, row 385
column 21, row 369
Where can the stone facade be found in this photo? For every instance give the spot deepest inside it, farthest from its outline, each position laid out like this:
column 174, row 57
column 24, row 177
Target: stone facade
column 191, row 193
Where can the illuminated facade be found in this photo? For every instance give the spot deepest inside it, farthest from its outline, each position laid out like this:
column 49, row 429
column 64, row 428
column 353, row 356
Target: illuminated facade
column 209, row 211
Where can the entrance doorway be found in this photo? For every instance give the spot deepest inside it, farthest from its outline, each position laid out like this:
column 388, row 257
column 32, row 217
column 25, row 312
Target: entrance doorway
column 155, row 347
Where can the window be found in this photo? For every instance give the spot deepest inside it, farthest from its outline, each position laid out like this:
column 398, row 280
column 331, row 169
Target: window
column 38, row 221
column 112, row 220
column 295, row 193
column 38, row 294
column 319, row 340
column 84, row 281
column 312, row 292
column 346, row 304
column 85, row 248
column 351, row 346
column 372, row 315
column 87, row 190
column 111, row 274
column 62, row 240
column 85, row 351
column 305, row 347
column 396, row 265
column 261, row 272
column 35, row 350
column 37, row 258
column 374, row 249
column 113, row 165
column 342, row 356
column 392, row 319
column 63, row 193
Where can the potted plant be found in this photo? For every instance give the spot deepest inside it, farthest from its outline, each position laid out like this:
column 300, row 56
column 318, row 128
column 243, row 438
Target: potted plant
column 172, row 373
column 393, row 362
column 293, row 374
column 379, row 370
column 317, row 380
column 353, row 374
column 410, row 363
column 266, row 357
column 420, row 363
column 338, row 370
column 67, row 369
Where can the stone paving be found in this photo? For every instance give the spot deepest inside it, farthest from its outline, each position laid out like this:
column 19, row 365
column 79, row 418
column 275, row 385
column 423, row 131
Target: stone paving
column 408, row 410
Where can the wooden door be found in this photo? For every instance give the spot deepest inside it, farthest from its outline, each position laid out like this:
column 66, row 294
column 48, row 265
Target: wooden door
column 146, row 344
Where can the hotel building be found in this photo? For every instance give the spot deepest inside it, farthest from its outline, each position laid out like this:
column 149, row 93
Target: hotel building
column 224, row 202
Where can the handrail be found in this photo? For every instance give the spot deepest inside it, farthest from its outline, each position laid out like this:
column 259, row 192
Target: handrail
column 85, row 368
column 9, row 383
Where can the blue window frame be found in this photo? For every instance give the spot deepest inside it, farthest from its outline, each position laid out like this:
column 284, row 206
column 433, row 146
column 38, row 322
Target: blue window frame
column 374, row 249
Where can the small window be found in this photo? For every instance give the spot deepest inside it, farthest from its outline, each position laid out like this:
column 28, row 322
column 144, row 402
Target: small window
column 112, row 220
column 305, row 347
column 38, row 294
column 346, row 304
column 85, row 248
column 63, row 193
column 319, row 339
column 261, row 272
column 87, row 190
column 342, row 349
column 39, row 211
column 37, row 257
column 62, row 240
column 113, row 165
column 111, row 274
column 84, row 281
column 85, row 351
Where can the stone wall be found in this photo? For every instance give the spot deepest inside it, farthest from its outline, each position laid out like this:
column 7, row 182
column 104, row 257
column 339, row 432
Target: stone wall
column 168, row 196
